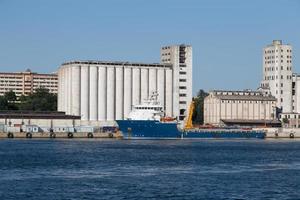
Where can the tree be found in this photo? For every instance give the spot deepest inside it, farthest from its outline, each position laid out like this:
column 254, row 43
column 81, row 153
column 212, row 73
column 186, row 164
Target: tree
column 8, row 101
column 11, row 99
column 3, row 103
column 285, row 120
column 40, row 100
column 10, row 96
column 199, row 107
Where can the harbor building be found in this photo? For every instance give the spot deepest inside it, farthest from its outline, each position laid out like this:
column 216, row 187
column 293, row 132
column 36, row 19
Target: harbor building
column 277, row 74
column 296, row 93
column 24, row 83
column 239, row 108
column 180, row 57
column 106, row 91
column 290, row 120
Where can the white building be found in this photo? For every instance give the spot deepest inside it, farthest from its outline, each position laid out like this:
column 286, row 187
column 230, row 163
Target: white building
column 180, row 56
column 296, row 93
column 277, row 74
column 238, row 106
column 106, row 91
column 24, row 83
column 290, row 120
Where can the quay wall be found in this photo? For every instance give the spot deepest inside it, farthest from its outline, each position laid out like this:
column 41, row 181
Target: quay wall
column 282, row 132
column 61, row 135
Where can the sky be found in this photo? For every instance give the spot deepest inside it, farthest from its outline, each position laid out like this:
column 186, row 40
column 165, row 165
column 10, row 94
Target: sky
column 227, row 36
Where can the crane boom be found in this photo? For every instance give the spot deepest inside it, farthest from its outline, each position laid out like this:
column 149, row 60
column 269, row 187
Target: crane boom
column 189, row 120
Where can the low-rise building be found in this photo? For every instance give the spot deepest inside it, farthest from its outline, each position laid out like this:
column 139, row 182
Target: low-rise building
column 239, row 108
column 290, row 120
column 24, row 83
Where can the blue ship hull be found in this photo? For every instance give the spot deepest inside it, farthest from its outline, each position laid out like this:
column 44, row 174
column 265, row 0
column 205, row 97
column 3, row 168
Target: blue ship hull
column 156, row 129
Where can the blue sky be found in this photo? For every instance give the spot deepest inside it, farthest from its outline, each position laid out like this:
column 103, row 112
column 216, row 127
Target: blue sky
column 227, row 35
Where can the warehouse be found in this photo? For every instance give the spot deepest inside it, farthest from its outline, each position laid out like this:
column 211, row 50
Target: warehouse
column 239, row 107
column 106, row 91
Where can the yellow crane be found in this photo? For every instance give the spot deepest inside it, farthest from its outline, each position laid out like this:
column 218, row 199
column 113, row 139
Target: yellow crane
column 189, row 120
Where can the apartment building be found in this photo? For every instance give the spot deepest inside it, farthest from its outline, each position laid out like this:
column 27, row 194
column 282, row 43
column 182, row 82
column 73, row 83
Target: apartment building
column 24, row 83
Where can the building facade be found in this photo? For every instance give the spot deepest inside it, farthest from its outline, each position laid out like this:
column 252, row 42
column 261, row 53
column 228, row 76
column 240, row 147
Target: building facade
column 290, row 120
column 277, row 74
column 24, row 83
column 180, row 57
column 106, row 91
column 238, row 105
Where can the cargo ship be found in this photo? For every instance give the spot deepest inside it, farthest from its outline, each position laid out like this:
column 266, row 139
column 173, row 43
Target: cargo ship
column 147, row 121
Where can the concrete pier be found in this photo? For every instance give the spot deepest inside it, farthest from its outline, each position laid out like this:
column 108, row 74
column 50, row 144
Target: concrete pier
column 60, row 135
column 282, row 132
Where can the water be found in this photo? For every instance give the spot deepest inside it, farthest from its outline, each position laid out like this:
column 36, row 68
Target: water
column 149, row 169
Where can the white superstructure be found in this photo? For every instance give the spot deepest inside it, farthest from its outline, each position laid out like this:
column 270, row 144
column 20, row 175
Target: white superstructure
column 150, row 109
column 106, row 91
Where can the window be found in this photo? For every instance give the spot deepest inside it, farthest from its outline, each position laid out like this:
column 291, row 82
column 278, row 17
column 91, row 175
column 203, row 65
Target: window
column 182, row 87
column 182, row 102
column 182, row 80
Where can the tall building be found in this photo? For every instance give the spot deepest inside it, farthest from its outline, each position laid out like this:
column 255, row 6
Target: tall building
column 106, row 91
column 296, row 93
column 180, row 56
column 277, row 73
column 24, row 83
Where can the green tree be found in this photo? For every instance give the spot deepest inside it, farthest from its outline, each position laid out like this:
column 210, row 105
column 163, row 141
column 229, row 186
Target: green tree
column 40, row 100
column 11, row 99
column 285, row 120
column 3, row 103
column 199, row 107
column 10, row 96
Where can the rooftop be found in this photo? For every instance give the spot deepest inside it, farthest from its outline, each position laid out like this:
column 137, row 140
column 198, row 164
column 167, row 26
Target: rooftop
column 35, row 115
column 28, row 72
column 114, row 63
column 242, row 95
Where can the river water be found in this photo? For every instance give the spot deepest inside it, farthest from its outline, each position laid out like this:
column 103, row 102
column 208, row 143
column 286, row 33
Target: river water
column 149, row 169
